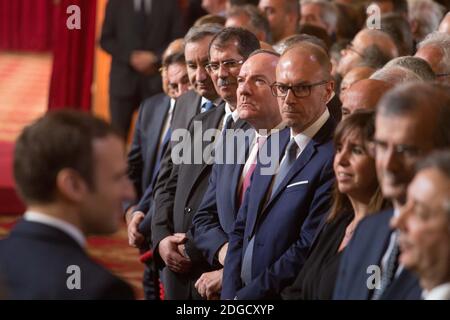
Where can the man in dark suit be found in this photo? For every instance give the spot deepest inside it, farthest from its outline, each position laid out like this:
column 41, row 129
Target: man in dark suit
column 258, row 111
column 408, row 126
column 281, row 212
column 135, row 33
column 70, row 169
column 151, row 137
column 176, row 204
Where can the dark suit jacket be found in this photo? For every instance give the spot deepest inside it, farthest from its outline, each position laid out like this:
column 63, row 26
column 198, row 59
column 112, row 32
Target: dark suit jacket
column 217, row 213
column 186, row 107
column 285, row 225
column 122, row 34
column 178, row 201
column 34, row 261
column 366, row 248
column 144, row 150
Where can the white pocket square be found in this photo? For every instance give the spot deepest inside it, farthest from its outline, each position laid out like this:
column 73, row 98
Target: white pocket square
column 297, row 183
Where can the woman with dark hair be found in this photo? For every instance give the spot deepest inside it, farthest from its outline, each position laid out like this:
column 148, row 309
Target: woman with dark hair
column 356, row 195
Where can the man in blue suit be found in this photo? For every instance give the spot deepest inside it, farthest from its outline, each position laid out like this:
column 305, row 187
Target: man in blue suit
column 411, row 121
column 151, row 138
column 281, row 212
column 215, row 218
column 70, row 169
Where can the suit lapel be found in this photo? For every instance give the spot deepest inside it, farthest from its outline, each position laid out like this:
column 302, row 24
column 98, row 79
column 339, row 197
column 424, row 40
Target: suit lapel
column 212, row 121
column 305, row 156
column 261, row 183
column 237, row 169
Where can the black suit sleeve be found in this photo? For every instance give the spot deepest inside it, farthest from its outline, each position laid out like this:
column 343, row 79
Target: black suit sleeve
column 135, row 159
column 108, row 40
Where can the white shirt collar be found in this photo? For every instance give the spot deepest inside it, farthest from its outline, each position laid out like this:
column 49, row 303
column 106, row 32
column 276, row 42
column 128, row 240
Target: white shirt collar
column 441, row 292
column 234, row 114
column 203, row 101
column 172, row 104
column 64, row 226
column 266, row 133
column 304, row 137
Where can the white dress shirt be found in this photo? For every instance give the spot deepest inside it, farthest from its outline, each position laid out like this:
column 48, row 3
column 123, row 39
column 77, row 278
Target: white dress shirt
column 303, row 138
column 167, row 122
column 64, row 226
column 441, row 292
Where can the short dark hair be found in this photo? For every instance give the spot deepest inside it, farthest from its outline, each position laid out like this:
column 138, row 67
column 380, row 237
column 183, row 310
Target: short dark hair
column 407, row 98
column 247, row 41
column 256, row 18
column 58, row 140
column 177, row 57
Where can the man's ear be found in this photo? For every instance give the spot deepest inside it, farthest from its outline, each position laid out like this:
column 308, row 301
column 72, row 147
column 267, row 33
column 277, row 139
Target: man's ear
column 329, row 92
column 70, row 185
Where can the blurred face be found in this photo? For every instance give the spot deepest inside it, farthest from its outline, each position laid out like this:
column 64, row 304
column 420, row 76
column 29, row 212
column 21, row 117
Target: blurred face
column 256, row 104
column 300, row 68
column 355, row 168
column 311, row 15
column 196, row 54
column 101, row 208
column 274, row 10
column 351, row 55
column 425, row 227
column 227, row 63
column 400, row 142
column 178, row 80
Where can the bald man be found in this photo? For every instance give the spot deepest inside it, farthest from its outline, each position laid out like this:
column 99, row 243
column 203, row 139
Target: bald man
column 353, row 53
column 435, row 49
column 354, row 75
column 363, row 94
column 396, row 75
column 281, row 210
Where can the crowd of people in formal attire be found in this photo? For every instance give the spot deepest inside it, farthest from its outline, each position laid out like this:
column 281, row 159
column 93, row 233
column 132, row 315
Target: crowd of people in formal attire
column 339, row 189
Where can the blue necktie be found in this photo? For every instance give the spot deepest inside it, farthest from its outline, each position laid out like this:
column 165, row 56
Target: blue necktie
column 286, row 164
column 207, row 106
column 388, row 275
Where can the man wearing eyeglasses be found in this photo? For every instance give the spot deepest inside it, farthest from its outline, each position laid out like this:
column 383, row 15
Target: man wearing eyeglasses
column 411, row 121
column 353, row 54
column 435, row 49
column 179, row 198
column 282, row 210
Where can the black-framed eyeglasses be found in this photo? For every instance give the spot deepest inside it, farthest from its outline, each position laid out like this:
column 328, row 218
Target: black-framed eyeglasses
column 227, row 64
column 281, row 90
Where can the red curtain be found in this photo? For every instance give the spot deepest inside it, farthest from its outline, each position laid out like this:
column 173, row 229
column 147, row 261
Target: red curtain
column 26, row 25
column 40, row 25
column 73, row 57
